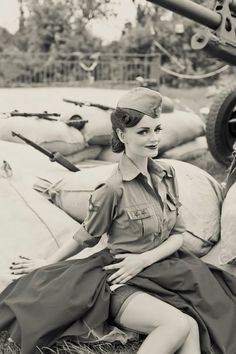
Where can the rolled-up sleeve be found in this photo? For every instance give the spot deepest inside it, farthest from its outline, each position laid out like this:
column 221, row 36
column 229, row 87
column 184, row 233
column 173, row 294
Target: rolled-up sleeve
column 101, row 212
column 179, row 226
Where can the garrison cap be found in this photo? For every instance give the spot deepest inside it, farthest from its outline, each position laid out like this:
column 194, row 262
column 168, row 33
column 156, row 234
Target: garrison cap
column 143, row 100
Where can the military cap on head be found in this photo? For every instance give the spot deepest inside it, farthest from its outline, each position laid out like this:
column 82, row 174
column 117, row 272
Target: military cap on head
column 142, row 99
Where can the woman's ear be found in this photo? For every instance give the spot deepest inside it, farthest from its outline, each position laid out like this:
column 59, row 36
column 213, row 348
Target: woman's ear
column 120, row 135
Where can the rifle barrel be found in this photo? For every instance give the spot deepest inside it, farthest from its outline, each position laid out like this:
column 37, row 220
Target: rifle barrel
column 36, row 146
column 91, row 104
column 46, row 116
column 53, row 156
column 77, row 103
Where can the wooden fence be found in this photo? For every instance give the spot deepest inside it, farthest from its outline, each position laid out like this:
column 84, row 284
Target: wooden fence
column 42, row 69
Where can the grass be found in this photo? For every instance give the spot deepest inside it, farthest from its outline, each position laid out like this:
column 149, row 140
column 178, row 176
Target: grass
column 71, row 347
column 195, row 99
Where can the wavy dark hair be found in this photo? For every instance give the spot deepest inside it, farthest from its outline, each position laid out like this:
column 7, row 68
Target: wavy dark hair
column 122, row 118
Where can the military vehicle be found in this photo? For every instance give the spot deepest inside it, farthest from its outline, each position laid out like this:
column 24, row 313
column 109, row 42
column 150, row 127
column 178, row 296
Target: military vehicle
column 218, row 38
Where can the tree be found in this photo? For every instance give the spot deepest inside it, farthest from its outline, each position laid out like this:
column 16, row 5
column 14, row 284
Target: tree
column 157, row 25
column 59, row 25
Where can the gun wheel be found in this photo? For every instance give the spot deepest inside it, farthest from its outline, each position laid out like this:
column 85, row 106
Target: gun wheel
column 221, row 125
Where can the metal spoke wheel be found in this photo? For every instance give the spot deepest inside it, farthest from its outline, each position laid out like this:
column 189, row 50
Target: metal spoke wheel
column 221, row 125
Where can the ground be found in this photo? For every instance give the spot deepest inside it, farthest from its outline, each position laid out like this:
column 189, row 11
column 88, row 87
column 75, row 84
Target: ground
column 194, row 98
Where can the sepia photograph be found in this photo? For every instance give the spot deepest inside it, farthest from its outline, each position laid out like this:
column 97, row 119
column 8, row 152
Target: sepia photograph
column 117, row 176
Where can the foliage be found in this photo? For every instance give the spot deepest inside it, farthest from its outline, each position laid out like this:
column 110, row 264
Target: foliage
column 59, row 27
column 155, row 28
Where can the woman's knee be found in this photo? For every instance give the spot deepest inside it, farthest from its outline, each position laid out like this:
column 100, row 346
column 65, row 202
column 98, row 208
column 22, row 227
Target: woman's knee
column 193, row 324
column 180, row 326
column 145, row 313
column 177, row 324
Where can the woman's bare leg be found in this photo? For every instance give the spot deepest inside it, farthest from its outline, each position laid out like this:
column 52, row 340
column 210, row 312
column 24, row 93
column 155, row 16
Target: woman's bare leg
column 166, row 327
column 192, row 343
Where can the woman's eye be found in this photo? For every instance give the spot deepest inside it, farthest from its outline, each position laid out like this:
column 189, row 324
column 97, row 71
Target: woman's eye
column 142, row 132
column 158, row 129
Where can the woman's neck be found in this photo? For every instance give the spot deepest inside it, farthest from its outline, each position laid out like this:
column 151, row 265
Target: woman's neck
column 141, row 163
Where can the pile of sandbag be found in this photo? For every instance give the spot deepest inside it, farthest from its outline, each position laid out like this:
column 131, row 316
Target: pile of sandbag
column 200, row 194
column 180, row 137
column 223, row 255
column 26, row 212
column 52, row 135
column 31, row 226
column 228, row 227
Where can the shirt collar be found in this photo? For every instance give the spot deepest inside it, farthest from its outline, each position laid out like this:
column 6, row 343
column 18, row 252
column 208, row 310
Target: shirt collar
column 129, row 171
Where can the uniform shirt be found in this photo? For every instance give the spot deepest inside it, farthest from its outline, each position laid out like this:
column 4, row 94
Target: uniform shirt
column 135, row 216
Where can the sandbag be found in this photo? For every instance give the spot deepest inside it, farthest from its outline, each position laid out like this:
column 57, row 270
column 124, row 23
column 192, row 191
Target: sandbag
column 167, row 105
column 214, row 257
column 52, row 135
column 201, row 197
column 184, row 152
column 187, row 151
column 228, row 227
column 200, row 194
column 179, row 127
column 98, row 129
column 89, row 152
column 72, row 193
column 27, row 161
column 30, row 225
column 108, row 155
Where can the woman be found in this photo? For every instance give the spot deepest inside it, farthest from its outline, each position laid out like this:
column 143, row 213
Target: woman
column 156, row 288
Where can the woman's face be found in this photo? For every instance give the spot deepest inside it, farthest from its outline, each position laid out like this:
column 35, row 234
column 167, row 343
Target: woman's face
column 143, row 139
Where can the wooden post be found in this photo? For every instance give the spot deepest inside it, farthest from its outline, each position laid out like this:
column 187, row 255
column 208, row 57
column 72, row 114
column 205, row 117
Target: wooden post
column 155, row 69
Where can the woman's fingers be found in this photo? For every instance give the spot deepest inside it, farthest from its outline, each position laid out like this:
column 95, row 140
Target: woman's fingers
column 19, row 262
column 123, row 278
column 23, row 257
column 21, row 271
column 112, row 266
column 22, row 265
column 121, row 255
column 120, row 277
column 115, row 275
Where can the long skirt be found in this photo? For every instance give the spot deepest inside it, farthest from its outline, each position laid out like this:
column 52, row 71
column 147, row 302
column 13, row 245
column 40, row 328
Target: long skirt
column 72, row 298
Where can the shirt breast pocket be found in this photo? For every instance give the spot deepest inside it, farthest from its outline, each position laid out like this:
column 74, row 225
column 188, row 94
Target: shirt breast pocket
column 141, row 219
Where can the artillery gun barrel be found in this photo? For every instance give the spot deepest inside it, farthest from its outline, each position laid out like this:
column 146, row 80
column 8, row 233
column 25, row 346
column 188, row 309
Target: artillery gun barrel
column 194, row 11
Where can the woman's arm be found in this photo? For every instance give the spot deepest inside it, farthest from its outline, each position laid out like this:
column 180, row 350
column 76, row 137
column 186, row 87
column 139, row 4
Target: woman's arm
column 101, row 211
column 132, row 264
column 168, row 247
column 69, row 249
column 26, row 265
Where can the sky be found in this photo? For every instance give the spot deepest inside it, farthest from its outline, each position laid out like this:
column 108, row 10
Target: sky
column 107, row 30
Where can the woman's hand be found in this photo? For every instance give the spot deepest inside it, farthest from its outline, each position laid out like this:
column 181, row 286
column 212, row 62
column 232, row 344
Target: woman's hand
column 131, row 265
column 26, row 265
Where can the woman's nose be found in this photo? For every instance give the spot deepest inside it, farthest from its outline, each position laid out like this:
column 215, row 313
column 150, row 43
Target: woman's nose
column 154, row 136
